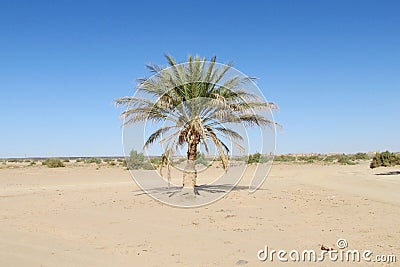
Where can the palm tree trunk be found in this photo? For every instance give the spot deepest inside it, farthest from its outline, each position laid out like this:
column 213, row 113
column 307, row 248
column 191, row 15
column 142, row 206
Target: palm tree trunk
column 190, row 173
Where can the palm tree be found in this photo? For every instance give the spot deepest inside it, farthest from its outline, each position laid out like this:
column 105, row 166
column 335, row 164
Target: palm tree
column 194, row 108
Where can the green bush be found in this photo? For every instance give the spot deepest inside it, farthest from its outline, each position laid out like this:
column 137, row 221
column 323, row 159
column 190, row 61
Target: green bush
column 137, row 161
column 385, row 159
column 147, row 166
column 93, row 160
column 66, row 160
column 331, row 158
column 346, row 160
column 53, row 163
column 361, row 156
column 201, row 159
column 156, row 161
column 341, row 158
column 285, row 158
column 254, row 158
column 310, row 158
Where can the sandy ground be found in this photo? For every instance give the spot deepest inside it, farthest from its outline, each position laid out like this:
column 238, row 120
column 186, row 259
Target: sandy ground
column 88, row 217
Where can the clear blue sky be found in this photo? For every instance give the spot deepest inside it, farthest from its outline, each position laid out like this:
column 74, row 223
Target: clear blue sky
column 333, row 67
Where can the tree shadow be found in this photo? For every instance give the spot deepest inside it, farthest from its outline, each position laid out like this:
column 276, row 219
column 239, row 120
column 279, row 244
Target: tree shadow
column 198, row 190
column 389, row 173
column 222, row 188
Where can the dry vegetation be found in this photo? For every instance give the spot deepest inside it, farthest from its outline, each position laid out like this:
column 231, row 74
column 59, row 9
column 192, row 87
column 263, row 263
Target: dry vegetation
column 139, row 161
column 62, row 162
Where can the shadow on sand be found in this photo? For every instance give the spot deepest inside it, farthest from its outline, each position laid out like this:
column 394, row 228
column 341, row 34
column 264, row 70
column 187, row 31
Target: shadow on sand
column 389, row 173
column 213, row 189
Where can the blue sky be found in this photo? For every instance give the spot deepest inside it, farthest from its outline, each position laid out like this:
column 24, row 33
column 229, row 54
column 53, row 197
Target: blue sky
column 333, row 67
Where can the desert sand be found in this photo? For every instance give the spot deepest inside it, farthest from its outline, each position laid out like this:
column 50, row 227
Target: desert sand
column 85, row 216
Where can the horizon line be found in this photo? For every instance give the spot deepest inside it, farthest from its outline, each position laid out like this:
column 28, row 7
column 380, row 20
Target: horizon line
column 122, row 156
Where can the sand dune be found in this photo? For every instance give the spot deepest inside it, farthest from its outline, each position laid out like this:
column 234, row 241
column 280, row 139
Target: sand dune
column 88, row 217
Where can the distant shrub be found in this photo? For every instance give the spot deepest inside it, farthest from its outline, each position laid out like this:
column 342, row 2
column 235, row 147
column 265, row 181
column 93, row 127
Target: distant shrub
column 78, row 160
column 13, row 160
column 156, row 161
column 265, row 159
column 93, row 160
column 254, row 158
column 112, row 163
column 147, row 166
column 108, row 160
column 310, row 158
column 66, row 160
column 361, row 156
column 385, row 159
column 346, row 160
column 330, row 158
column 201, row 159
column 136, row 161
column 341, row 159
column 32, row 163
column 285, row 158
column 302, row 158
column 240, row 158
column 53, row 163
